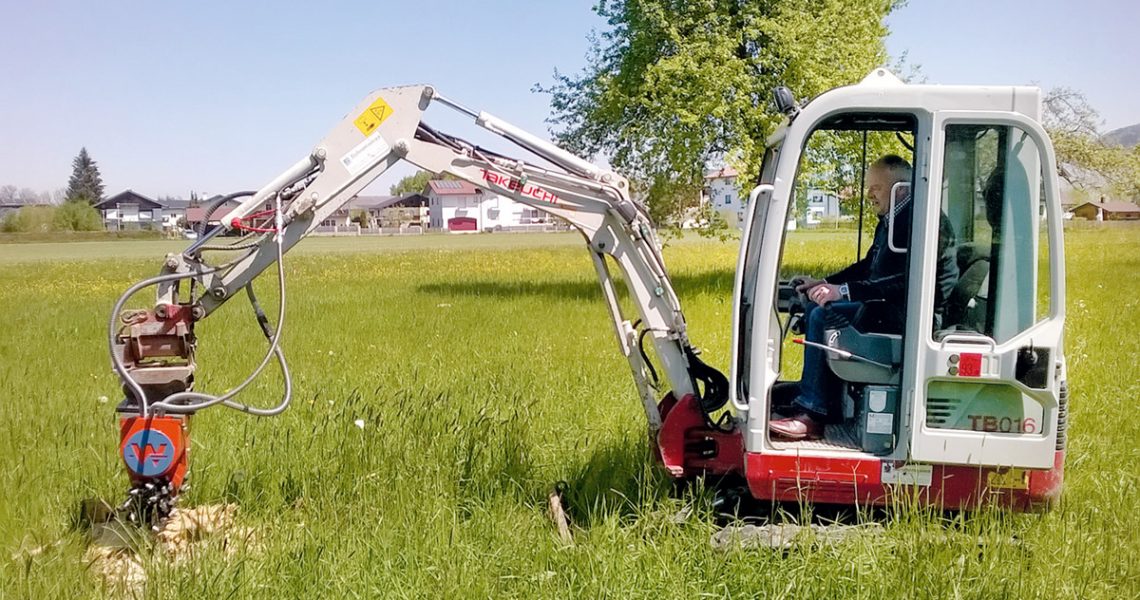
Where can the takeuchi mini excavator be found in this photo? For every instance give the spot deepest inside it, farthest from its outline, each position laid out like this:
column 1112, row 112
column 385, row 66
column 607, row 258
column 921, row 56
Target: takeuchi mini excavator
column 958, row 405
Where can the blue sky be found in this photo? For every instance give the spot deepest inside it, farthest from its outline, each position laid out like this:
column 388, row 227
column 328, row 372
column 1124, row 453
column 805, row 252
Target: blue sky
column 220, row 96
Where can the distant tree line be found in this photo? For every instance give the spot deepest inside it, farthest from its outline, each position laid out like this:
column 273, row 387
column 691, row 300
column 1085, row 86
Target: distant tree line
column 43, row 211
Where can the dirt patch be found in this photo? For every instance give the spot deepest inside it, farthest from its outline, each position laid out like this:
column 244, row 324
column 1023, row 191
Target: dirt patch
column 115, row 554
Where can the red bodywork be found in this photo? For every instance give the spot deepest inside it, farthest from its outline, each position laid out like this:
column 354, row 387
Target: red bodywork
column 687, row 446
column 157, row 349
column 172, row 428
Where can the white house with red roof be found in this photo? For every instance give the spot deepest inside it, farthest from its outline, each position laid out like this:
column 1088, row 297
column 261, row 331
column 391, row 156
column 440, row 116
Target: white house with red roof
column 459, row 206
column 723, row 194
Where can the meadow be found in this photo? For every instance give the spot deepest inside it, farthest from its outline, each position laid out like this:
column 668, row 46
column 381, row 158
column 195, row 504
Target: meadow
column 445, row 384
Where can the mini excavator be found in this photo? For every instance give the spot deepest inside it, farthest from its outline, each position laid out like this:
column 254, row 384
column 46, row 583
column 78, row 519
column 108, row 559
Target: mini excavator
column 961, row 411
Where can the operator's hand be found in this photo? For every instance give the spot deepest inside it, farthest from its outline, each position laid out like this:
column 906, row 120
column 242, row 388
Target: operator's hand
column 824, row 293
column 806, row 283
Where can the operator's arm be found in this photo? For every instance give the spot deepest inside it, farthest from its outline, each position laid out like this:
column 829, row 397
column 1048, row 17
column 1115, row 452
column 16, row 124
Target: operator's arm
column 854, row 272
column 881, row 274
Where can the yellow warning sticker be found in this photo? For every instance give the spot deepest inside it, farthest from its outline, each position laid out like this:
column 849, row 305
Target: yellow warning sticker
column 373, row 116
column 1011, row 479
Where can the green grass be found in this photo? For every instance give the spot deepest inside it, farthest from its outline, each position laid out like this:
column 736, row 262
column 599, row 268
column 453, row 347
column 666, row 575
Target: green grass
column 485, row 370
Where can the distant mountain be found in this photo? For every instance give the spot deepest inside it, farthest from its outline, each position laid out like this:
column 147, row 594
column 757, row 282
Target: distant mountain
column 1125, row 136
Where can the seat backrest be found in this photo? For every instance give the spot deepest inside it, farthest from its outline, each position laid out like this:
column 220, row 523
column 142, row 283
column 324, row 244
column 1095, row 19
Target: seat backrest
column 968, row 294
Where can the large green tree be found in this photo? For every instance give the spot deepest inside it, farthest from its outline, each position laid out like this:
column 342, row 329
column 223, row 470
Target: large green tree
column 673, row 85
column 1074, row 127
column 85, row 184
column 415, row 184
column 412, row 184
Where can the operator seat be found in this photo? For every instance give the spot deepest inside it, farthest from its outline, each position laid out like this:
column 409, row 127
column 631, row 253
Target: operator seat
column 874, row 334
column 966, row 307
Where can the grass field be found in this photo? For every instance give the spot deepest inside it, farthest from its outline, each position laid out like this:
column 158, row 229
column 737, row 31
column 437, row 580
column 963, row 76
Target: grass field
column 484, row 370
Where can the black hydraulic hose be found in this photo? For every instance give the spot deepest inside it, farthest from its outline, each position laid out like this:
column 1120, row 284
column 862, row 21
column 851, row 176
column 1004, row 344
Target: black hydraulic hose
column 714, row 394
column 645, row 357
column 215, row 205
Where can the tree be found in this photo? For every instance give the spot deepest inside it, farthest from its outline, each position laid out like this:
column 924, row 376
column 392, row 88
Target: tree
column 10, row 194
column 415, row 184
column 412, row 184
column 86, row 184
column 30, row 219
column 77, row 216
column 30, row 196
column 1067, row 111
column 674, row 85
column 1074, row 127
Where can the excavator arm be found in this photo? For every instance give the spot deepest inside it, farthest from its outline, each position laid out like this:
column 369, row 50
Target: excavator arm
column 153, row 350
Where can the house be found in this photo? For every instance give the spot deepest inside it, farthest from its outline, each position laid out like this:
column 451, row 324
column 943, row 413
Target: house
column 369, row 207
column 455, row 205
column 722, row 194
column 195, row 214
column 1108, row 211
column 821, row 205
column 7, row 208
column 408, row 210
column 380, row 211
column 130, row 210
column 174, row 213
column 340, row 219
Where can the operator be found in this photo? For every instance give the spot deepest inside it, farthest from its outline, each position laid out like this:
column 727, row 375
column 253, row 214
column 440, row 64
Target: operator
column 880, row 275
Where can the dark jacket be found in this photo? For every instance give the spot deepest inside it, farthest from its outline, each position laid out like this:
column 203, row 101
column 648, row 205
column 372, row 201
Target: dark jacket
column 881, row 275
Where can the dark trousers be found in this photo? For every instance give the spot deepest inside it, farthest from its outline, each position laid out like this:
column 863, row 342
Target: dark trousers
column 819, row 388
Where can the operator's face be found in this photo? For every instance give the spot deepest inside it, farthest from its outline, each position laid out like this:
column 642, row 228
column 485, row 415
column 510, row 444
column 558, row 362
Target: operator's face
column 879, row 189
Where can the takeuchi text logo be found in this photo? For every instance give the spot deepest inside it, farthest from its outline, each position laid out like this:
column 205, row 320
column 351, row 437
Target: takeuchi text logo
column 514, row 185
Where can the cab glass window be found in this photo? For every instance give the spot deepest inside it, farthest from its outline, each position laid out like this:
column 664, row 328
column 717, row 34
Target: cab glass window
column 834, row 216
column 992, row 226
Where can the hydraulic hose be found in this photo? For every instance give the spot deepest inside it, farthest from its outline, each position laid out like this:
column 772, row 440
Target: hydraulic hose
column 215, row 205
column 171, row 403
column 112, row 329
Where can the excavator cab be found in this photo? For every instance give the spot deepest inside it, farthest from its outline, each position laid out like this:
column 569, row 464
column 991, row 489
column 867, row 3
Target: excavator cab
column 956, row 386
column 867, row 357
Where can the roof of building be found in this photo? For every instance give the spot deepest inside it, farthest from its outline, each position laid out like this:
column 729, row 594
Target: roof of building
column 452, row 187
column 128, row 197
column 195, row 214
column 1114, row 206
column 365, row 203
column 371, row 202
column 175, row 203
column 720, row 173
column 411, row 200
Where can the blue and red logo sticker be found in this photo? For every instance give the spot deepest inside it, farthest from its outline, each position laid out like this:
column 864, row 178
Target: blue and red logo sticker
column 148, row 453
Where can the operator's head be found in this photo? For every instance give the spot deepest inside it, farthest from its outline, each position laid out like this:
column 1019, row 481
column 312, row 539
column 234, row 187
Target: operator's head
column 883, row 175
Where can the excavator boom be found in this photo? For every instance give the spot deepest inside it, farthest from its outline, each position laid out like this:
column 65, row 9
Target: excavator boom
column 153, row 350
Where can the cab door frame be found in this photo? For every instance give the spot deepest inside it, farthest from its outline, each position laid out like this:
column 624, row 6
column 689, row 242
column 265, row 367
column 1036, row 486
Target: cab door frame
column 767, row 216
column 932, row 361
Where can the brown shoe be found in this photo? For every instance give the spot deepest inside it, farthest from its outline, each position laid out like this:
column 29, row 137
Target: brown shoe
column 799, row 427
